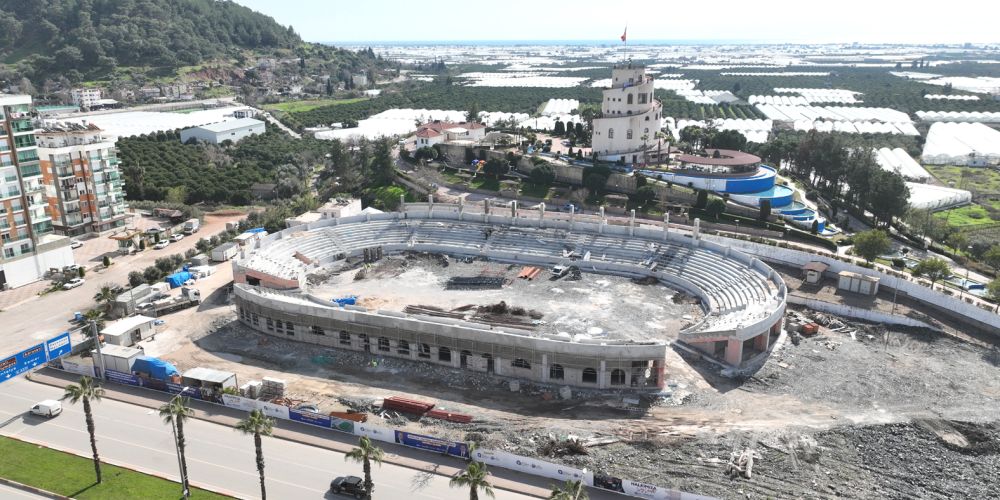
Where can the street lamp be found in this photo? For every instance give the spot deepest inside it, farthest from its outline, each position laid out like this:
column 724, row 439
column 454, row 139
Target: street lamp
column 180, row 466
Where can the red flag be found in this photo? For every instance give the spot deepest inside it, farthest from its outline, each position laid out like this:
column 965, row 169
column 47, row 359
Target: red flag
column 624, row 33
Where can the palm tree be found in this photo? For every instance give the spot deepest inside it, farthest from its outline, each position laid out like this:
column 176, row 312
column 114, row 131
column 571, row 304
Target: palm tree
column 570, row 490
column 97, row 316
column 106, row 296
column 88, row 391
column 257, row 424
column 366, row 453
column 175, row 412
column 474, row 477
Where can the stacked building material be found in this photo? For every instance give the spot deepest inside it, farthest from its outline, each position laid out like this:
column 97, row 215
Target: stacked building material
column 449, row 416
column 405, row 405
column 272, row 388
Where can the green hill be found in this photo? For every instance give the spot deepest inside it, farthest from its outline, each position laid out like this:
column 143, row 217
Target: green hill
column 83, row 39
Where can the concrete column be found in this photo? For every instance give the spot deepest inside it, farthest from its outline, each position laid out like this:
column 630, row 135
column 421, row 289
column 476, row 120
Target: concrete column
column 572, row 216
column 498, row 366
column 696, row 233
column 600, row 222
column 541, row 213
column 486, row 210
column 602, row 379
column 513, row 213
column 734, row 352
column 631, row 223
column 545, row 368
column 666, row 225
column 430, row 203
column 461, row 207
column 402, row 203
column 762, row 341
column 368, row 217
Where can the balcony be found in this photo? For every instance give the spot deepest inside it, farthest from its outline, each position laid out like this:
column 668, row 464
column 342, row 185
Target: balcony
column 30, row 171
column 27, row 156
column 24, row 141
column 21, row 125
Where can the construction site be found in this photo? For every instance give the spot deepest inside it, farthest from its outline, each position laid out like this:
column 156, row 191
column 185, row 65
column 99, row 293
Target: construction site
column 832, row 407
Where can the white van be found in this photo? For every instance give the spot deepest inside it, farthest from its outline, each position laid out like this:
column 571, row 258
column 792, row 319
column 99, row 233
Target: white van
column 48, row 408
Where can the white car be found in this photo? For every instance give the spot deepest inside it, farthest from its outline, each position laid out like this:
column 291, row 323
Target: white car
column 74, row 244
column 177, row 237
column 73, row 283
column 161, row 245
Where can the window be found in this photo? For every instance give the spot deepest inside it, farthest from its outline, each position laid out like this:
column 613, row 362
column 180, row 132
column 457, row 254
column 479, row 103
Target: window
column 403, row 348
column 444, row 354
column 279, row 325
column 629, row 99
column 556, row 372
column 628, row 134
column 611, row 133
column 345, row 338
column 8, row 252
column 642, row 98
column 617, row 377
column 589, row 376
column 520, row 363
column 270, row 324
column 383, row 344
column 317, row 331
column 254, row 319
column 424, row 351
column 289, row 329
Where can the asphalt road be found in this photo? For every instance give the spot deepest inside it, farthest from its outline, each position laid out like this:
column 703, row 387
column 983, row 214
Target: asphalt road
column 8, row 493
column 217, row 456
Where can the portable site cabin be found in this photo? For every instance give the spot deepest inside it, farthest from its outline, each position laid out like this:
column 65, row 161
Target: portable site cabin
column 128, row 331
column 225, row 252
column 814, row 271
column 119, row 358
column 126, row 301
column 210, row 382
column 858, row 283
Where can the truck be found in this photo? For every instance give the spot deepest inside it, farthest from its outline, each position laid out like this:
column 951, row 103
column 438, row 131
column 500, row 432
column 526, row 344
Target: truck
column 189, row 297
column 192, row 226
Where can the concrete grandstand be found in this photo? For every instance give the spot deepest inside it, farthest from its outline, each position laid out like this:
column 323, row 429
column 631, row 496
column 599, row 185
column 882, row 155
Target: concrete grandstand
column 741, row 300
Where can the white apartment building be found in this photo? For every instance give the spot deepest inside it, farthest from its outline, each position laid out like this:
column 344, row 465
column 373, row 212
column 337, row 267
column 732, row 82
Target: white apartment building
column 630, row 117
column 86, row 98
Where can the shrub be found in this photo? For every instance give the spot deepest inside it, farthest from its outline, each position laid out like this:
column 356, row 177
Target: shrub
column 151, row 274
column 81, row 271
column 106, row 261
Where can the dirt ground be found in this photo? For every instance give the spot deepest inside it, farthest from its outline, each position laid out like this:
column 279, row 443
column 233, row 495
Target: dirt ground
column 901, row 413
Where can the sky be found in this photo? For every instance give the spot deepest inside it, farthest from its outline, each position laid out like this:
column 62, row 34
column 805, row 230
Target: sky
column 802, row 21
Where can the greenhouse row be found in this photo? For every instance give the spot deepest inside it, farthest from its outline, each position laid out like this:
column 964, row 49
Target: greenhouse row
column 899, row 161
column 960, row 116
column 942, row 97
column 849, row 127
column 950, row 143
column 560, row 106
column 754, row 130
column 929, row 196
column 837, row 113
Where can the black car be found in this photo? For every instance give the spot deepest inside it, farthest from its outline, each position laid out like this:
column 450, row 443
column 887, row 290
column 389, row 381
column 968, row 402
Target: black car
column 349, row 485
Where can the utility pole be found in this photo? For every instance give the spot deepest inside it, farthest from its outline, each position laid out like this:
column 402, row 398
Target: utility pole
column 97, row 345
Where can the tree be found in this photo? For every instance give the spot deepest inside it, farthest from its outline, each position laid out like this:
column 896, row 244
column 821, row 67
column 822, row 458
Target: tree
column 934, row 269
column 727, row 139
column 106, row 297
column 496, row 167
column 715, row 207
column 257, row 424
column 382, row 167
column 701, row 201
column 595, row 183
column 135, row 279
column 106, row 261
column 644, row 196
column 365, row 454
column 426, row 153
column 992, row 257
column 87, row 390
column 871, row 244
column 993, row 292
column 81, row 271
column 176, row 413
column 560, row 128
column 472, row 114
column 765, row 209
column 959, row 241
column 570, row 490
column 475, row 476
column 542, row 175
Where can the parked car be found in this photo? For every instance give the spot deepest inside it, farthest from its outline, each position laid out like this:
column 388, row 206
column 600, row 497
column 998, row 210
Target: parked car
column 348, row 485
column 161, row 245
column 74, row 244
column 73, row 283
column 48, row 408
column 177, row 237
column 154, row 230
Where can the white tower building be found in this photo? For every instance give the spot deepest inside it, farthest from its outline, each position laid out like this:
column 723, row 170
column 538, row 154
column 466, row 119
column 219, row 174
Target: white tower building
column 630, row 117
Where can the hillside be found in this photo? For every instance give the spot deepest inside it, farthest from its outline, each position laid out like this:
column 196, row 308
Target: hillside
column 83, row 39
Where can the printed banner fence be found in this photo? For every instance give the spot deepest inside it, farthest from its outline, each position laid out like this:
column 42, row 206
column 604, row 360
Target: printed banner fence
column 532, row 466
column 375, row 432
column 78, row 368
column 434, row 444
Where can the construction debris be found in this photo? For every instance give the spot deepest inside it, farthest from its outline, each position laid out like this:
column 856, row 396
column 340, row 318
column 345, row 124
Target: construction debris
column 741, row 463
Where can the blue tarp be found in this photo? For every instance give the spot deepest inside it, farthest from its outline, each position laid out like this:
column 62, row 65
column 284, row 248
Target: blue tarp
column 255, row 230
column 154, row 367
column 350, row 300
column 177, row 279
